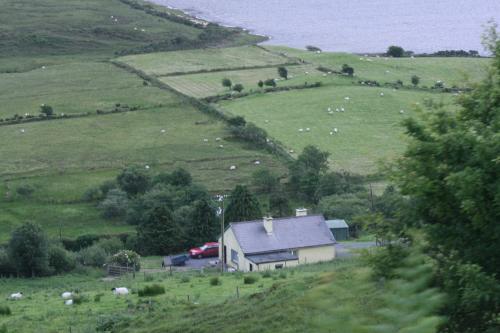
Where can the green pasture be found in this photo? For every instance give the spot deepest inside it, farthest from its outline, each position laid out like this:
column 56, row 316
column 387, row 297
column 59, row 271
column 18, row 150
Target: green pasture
column 458, row 72
column 310, row 296
column 165, row 63
column 51, row 27
column 67, row 220
column 210, row 84
column 76, row 88
column 369, row 131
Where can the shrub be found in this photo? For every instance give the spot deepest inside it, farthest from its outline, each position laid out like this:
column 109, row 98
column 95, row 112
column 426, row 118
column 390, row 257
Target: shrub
column 227, row 83
column 152, row 290
column 94, row 256
column 25, row 190
column 270, row 83
column 61, row 260
column 348, row 70
column 395, row 51
column 215, row 281
column 115, row 204
column 111, row 245
column 46, row 110
column 385, row 261
column 5, row 310
column 238, row 87
column 92, row 194
column 108, row 323
column 260, row 83
column 415, row 80
column 266, row 274
column 237, row 121
column 126, row 258
column 185, row 279
column 79, row 299
column 249, row 279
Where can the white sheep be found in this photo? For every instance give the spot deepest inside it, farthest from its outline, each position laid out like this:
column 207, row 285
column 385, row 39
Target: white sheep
column 22, row 130
column 257, row 162
column 163, row 131
column 147, row 167
column 347, row 98
column 266, row 121
column 232, row 167
column 68, row 302
column 143, row 30
column 218, row 139
column 135, row 28
column 221, row 146
column 329, row 109
column 336, row 130
column 337, row 109
column 342, row 109
column 331, row 133
column 43, row 67
column 16, row 296
column 401, row 111
column 291, row 151
column 205, row 140
column 120, row 291
column 307, row 72
column 381, row 94
column 308, row 129
column 301, row 130
column 66, row 295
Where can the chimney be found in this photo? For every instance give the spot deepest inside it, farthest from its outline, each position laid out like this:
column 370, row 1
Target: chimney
column 268, row 225
column 301, row 212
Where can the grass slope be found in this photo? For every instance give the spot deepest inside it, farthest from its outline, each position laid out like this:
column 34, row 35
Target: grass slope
column 306, row 299
column 368, row 131
column 165, row 63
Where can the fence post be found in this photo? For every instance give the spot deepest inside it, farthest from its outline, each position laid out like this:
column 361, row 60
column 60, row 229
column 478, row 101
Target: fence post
column 188, row 298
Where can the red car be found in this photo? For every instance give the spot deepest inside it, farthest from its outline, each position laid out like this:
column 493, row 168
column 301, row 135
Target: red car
column 208, row 250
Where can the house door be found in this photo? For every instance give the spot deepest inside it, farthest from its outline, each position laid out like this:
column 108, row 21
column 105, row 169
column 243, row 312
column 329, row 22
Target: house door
column 225, row 254
column 251, row 267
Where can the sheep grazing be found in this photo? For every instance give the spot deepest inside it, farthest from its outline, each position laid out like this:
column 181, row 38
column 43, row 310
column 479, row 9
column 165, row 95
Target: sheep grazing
column 232, row 167
column 221, row 146
column 307, row 72
column 337, row 109
column 291, row 151
column 342, row 109
column 135, row 28
column 401, row 111
column 205, row 140
column 308, row 129
column 22, row 130
column 257, row 162
column 163, row 131
column 331, row 133
column 336, row 130
column 329, row 109
column 66, row 295
column 218, row 139
column 16, row 296
column 301, row 130
column 43, row 67
column 381, row 94
column 387, row 72
column 122, row 291
column 143, row 30
column 266, row 121
column 68, row 302
column 347, row 98
column 147, row 167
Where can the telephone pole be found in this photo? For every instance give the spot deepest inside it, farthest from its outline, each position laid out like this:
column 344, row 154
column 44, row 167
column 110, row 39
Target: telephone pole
column 221, row 199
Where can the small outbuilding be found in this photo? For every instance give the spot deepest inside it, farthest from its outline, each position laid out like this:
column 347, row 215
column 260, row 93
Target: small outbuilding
column 339, row 229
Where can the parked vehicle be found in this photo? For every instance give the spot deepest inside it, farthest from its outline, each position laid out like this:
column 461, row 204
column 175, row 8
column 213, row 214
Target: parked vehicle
column 208, row 250
column 179, row 260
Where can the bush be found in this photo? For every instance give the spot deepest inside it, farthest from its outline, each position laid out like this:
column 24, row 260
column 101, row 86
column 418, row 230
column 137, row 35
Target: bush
column 266, row 274
column 5, row 310
column 385, row 261
column 348, row 70
column 46, row 110
column 185, row 279
column 126, row 258
column 215, row 281
column 115, row 204
column 111, row 245
column 270, row 83
column 94, row 256
column 395, row 51
column 152, row 290
column 249, row 279
column 61, row 260
column 238, row 87
column 108, row 323
column 25, row 190
column 92, row 194
column 79, row 299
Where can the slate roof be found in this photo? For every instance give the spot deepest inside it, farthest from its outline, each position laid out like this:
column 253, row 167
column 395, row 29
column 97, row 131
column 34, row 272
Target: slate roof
column 336, row 224
column 271, row 257
column 288, row 233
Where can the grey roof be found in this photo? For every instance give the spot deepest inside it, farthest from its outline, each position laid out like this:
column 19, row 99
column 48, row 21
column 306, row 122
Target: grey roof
column 271, row 257
column 336, row 224
column 288, row 233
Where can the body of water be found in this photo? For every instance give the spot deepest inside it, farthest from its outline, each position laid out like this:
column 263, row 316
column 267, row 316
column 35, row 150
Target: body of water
column 354, row 25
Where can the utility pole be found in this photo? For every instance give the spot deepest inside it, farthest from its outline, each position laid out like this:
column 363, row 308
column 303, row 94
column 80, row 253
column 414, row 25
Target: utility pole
column 222, row 236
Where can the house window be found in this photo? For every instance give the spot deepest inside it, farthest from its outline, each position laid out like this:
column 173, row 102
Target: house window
column 234, row 256
column 278, row 266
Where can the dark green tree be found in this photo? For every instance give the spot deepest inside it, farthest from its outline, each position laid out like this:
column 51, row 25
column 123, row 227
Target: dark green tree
column 227, row 83
column 265, row 181
column 29, row 250
column 279, row 204
column 242, row 206
column 306, row 171
column 260, row 83
column 415, row 80
column 180, row 177
column 237, row 121
column 115, row 204
column 348, row 70
column 159, row 233
column 238, row 87
column 270, row 83
column 283, row 72
column 395, row 51
column 204, row 223
column 133, row 181
column 450, row 172
column 46, row 110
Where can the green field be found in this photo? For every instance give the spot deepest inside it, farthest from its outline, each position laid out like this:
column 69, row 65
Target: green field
column 452, row 71
column 369, row 130
column 165, row 63
column 299, row 294
column 209, row 84
column 75, row 88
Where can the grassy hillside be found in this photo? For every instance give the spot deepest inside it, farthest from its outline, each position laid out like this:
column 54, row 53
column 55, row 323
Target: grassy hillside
column 368, row 131
column 296, row 300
